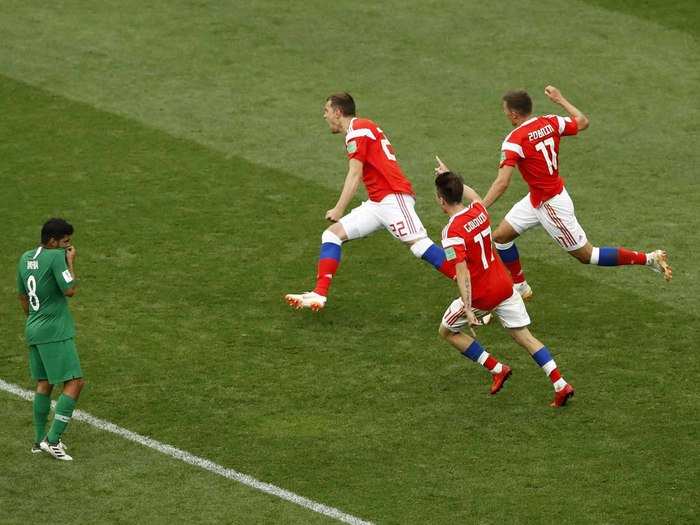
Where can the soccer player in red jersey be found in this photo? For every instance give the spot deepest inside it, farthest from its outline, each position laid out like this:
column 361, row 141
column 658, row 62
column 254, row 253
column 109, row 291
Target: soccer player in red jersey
column 533, row 146
column 371, row 160
column 484, row 286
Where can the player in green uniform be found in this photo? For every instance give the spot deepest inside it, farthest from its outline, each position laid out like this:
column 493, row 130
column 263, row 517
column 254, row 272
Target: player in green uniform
column 45, row 277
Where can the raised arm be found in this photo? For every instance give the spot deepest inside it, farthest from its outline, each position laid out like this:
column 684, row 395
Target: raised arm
column 469, row 193
column 555, row 96
column 499, row 186
column 352, row 182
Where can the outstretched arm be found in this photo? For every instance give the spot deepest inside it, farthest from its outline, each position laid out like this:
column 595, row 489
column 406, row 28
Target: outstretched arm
column 499, row 186
column 469, row 193
column 555, row 96
column 352, row 182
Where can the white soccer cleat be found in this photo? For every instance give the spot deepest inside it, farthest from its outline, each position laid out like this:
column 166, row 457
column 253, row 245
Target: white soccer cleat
column 524, row 290
column 658, row 261
column 306, row 300
column 57, row 450
column 36, row 448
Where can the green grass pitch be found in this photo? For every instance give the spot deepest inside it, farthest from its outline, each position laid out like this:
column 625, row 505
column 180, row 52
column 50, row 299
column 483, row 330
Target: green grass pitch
column 184, row 140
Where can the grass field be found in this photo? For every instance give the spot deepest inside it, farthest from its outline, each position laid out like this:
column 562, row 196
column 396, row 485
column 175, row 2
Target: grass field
column 184, row 140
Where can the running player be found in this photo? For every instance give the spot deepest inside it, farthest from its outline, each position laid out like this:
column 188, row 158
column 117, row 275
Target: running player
column 484, row 286
column 45, row 277
column 372, row 160
column 533, row 146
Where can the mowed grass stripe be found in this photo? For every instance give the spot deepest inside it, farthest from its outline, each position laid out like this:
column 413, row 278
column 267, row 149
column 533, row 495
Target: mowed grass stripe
column 195, row 461
column 378, row 415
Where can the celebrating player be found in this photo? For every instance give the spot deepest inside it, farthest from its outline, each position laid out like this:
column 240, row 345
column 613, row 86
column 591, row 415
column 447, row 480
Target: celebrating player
column 45, row 277
column 533, row 146
column 390, row 205
column 484, row 285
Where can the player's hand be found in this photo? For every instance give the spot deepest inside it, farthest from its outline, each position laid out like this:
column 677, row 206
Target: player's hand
column 441, row 167
column 334, row 214
column 554, row 94
column 471, row 318
column 70, row 254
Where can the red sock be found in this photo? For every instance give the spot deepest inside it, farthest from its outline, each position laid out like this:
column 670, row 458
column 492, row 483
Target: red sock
column 625, row 257
column 490, row 363
column 516, row 271
column 326, row 271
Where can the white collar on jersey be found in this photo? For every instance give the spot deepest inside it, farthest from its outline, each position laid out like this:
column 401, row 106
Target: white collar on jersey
column 465, row 210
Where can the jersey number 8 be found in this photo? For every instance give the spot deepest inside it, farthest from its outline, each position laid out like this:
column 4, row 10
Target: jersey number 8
column 31, row 288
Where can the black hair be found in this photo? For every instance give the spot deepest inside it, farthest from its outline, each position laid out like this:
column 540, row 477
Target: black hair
column 450, row 187
column 55, row 229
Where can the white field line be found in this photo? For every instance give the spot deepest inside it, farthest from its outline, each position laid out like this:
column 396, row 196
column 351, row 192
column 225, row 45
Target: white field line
column 205, row 464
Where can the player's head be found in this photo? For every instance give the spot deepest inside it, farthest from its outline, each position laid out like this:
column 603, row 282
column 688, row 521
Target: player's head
column 56, row 233
column 338, row 107
column 517, row 105
column 450, row 189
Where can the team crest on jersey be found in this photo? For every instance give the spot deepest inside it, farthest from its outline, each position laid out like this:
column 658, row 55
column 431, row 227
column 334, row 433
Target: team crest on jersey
column 352, row 146
column 450, row 253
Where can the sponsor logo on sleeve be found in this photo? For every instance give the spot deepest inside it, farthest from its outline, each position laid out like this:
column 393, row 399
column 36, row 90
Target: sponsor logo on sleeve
column 503, row 156
column 352, row 147
column 67, row 276
column 450, row 253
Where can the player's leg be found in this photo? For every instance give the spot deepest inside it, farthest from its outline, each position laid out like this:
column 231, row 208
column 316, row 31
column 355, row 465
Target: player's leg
column 360, row 222
column 451, row 331
column 518, row 220
column 42, row 397
column 657, row 260
column 398, row 215
column 513, row 316
column 558, row 217
column 62, row 366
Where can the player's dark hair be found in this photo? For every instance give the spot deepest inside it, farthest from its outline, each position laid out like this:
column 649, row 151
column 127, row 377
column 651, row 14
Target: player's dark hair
column 55, row 229
column 450, row 187
column 518, row 101
column 344, row 102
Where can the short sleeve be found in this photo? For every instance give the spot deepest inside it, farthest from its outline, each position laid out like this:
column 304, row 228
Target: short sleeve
column 511, row 153
column 357, row 148
column 61, row 273
column 454, row 246
column 566, row 126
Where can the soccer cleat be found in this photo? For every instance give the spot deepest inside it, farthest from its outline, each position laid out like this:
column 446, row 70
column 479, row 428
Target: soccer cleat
column 36, row 448
column 306, row 300
column 500, row 379
column 561, row 397
column 57, row 450
column 524, row 290
column 658, row 261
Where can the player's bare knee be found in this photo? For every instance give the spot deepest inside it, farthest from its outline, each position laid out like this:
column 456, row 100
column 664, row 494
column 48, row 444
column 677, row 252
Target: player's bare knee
column 335, row 231
column 445, row 333
column 44, row 387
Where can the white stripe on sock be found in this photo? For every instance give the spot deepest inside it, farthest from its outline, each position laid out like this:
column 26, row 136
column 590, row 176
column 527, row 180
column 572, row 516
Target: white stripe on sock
column 549, row 367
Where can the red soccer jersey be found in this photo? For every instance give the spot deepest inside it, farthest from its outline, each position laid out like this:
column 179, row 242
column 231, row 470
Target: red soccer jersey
column 381, row 173
column 467, row 237
column 534, row 148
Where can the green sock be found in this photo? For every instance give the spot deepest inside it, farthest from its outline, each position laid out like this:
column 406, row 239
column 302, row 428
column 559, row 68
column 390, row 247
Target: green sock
column 42, row 405
column 64, row 411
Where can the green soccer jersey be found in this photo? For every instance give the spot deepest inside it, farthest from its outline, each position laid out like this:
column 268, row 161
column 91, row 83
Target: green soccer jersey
column 43, row 276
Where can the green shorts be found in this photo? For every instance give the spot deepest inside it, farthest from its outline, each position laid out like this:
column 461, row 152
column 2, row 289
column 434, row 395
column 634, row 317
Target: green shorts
column 56, row 362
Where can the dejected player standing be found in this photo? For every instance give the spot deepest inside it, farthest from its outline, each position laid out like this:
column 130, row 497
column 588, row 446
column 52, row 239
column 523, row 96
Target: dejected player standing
column 533, row 146
column 485, row 286
column 45, row 277
column 390, row 206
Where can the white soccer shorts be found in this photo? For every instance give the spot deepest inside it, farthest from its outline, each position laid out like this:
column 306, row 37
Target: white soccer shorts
column 395, row 213
column 556, row 215
column 511, row 313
